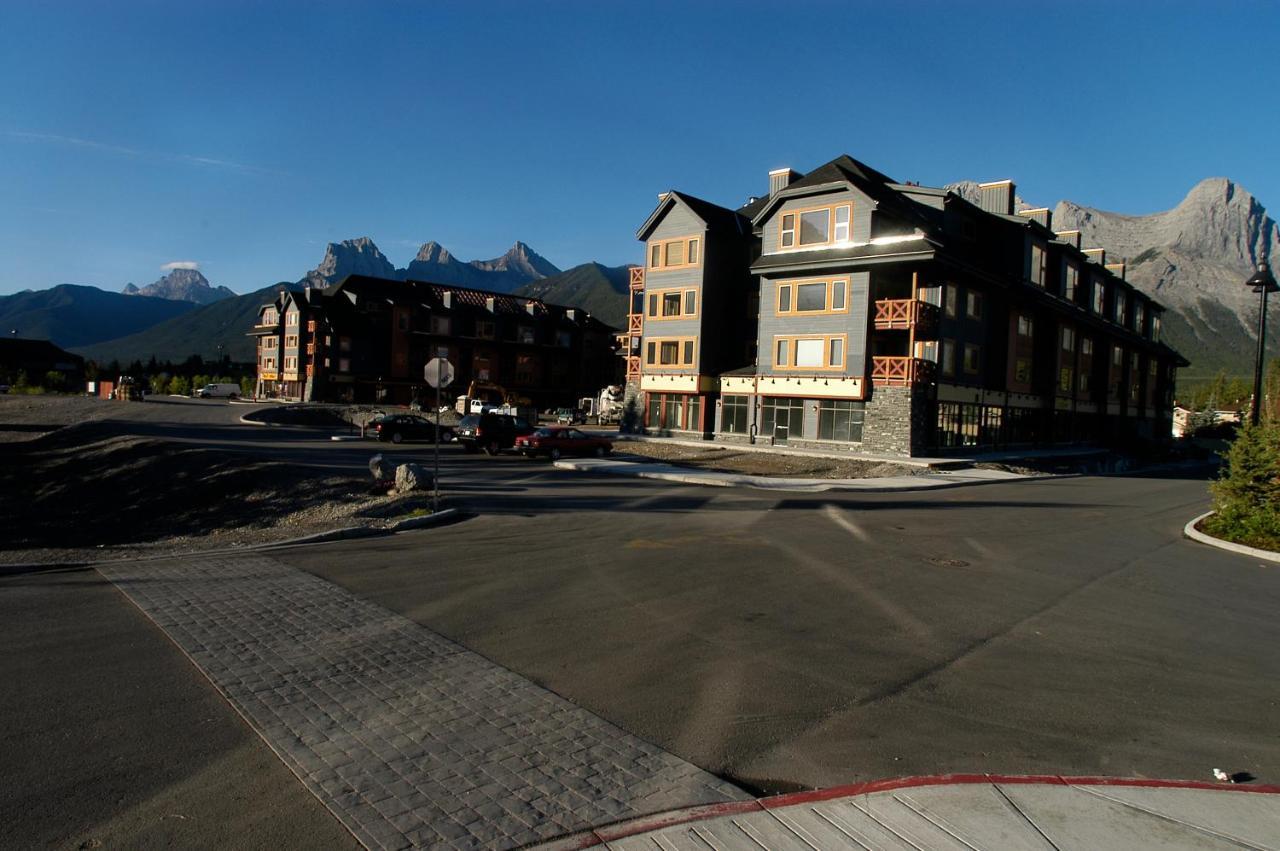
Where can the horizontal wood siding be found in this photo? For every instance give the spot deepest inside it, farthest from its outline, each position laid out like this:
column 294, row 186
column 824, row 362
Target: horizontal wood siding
column 853, row 324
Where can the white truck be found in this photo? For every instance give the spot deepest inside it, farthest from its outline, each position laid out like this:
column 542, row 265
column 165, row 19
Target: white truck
column 216, row 391
column 604, row 408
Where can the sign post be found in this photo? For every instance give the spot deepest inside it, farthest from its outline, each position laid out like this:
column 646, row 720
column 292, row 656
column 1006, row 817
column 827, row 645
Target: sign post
column 438, row 373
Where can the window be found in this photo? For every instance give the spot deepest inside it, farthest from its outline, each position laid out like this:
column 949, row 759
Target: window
column 270, row 317
column 291, row 341
column 268, row 363
column 682, row 253
column 673, row 304
column 1070, row 281
column 1139, row 317
column 344, row 364
column 1066, row 377
column 291, row 319
column 1084, row 380
column 814, row 296
column 564, row 339
column 526, row 369
column 948, row 357
column 817, row 352
column 1037, row 264
column 670, row 351
column 840, row 419
column 674, row 254
column 440, row 325
column 972, row 354
column 734, row 414
column 809, row 353
column 525, row 334
column 291, row 363
column 1024, row 326
column 842, row 223
column 951, row 299
column 815, row 226
column 1086, row 346
column 485, row 329
column 1121, row 303
column 1022, row 370
column 344, row 344
column 268, row 342
column 811, row 297
column 973, row 308
column 1155, row 327
column 693, row 413
column 1134, row 376
column 1068, row 340
column 402, row 320
column 1099, row 295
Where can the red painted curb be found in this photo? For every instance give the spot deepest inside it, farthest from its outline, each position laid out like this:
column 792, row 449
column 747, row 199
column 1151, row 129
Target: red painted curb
column 645, row 824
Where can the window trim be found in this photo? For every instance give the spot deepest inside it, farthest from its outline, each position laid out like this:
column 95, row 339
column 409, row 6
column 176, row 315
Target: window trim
column 658, row 296
column 653, row 352
column 795, row 230
column 691, row 241
column 964, row 361
column 794, row 284
column 1040, row 279
column 790, row 341
column 973, row 297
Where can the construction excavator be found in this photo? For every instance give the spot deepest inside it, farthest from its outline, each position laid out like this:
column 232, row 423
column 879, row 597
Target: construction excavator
column 484, row 396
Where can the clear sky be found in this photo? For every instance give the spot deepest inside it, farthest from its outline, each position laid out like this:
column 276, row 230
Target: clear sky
column 245, row 136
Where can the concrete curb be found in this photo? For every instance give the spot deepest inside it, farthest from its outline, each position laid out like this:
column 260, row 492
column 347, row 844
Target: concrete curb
column 730, row 480
column 445, row 515
column 1195, row 534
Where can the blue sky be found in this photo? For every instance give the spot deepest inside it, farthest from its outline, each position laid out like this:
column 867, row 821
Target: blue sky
column 245, row 136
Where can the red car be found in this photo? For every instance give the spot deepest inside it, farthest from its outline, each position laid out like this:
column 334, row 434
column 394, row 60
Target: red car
column 554, row 442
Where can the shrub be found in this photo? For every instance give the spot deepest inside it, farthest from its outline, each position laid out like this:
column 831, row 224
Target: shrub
column 247, row 386
column 1247, row 494
column 180, row 386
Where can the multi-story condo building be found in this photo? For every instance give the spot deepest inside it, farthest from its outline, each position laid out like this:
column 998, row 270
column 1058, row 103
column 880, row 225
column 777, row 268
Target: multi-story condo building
column 368, row 339
column 847, row 310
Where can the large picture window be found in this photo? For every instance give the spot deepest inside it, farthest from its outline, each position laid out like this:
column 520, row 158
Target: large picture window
column 818, row 352
column 673, row 304
column 677, row 352
column 840, row 419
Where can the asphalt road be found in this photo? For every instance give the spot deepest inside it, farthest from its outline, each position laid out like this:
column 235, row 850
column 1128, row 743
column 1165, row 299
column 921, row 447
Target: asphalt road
column 1059, row 626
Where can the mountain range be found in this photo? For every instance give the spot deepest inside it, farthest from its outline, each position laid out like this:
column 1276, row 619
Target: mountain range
column 1193, row 259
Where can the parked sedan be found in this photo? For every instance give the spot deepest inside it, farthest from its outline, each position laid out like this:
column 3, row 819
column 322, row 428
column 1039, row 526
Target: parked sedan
column 554, row 442
column 399, row 427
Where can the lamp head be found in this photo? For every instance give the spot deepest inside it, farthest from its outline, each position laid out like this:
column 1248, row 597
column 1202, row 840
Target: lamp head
column 1262, row 280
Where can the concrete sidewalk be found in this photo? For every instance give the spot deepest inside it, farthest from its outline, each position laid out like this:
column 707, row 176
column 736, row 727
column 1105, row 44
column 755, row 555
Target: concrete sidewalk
column 881, row 484
column 973, row 812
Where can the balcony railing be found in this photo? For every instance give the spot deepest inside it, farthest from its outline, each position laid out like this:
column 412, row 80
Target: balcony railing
column 637, row 277
column 311, row 348
column 902, row 313
column 311, row 326
column 635, row 323
column 900, row 371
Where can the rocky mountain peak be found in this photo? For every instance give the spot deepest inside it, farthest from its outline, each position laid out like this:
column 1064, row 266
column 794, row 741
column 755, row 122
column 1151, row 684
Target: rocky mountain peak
column 433, row 252
column 521, row 259
column 350, row 257
column 181, row 285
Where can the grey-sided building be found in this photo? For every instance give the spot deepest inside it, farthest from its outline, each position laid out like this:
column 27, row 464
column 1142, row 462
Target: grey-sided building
column 844, row 309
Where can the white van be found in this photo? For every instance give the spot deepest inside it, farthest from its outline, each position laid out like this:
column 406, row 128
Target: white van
column 214, row 391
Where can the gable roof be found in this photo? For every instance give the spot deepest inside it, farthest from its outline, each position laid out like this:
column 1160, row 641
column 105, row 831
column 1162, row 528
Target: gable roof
column 713, row 216
column 844, row 169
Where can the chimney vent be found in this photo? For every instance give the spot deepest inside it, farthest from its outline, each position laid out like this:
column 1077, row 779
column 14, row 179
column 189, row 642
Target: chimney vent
column 446, row 299
column 1117, row 269
column 489, row 303
column 1039, row 215
column 997, row 197
column 1071, row 237
column 1097, row 255
column 780, row 179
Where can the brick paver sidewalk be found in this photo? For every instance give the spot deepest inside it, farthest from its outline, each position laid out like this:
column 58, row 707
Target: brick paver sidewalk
column 408, row 738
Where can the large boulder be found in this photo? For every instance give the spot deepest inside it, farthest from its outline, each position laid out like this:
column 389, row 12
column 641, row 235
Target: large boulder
column 413, row 477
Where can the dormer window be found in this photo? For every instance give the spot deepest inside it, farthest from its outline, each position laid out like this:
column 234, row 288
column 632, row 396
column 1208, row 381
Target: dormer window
column 815, row 226
column 1037, row 265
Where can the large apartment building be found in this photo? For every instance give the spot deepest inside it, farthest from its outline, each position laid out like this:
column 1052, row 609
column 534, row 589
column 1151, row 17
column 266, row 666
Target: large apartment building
column 368, row 339
column 844, row 309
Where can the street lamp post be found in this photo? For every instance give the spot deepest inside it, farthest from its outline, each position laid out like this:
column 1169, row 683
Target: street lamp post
column 1263, row 282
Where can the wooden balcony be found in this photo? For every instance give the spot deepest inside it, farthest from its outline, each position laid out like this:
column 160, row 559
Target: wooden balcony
column 903, row 313
column 637, row 277
column 635, row 323
column 633, row 366
column 311, row 326
column 900, row 371
column 311, row 348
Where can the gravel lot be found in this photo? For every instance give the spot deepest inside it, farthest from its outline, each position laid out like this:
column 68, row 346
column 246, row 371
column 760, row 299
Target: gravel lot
column 78, row 494
column 763, row 463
